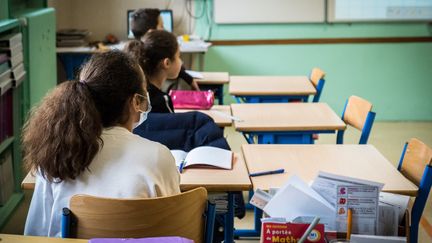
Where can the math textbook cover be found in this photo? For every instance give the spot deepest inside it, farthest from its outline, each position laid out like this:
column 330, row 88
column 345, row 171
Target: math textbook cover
column 277, row 232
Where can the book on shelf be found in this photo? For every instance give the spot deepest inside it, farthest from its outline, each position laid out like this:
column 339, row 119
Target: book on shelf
column 16, row 60
column 10, row 40
column 6, row 122
column 13, row 50
column 5, row 85
column 6, row 177
column 18, row 74
column 4, row 58
column 204, row 156
column 4, row 67
column 5, row 76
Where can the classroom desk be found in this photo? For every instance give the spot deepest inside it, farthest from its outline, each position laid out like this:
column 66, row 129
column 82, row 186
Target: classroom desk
column 73, row 57
column 220, row 114
column 271, row 89
column 214, row 180
column 6, row 238
column 214, row 81
column 285, row 123
column 359, row 161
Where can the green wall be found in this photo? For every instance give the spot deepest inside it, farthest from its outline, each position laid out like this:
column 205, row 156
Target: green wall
column 395, row 77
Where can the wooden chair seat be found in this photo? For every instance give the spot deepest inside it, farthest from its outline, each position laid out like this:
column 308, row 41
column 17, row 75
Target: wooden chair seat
column 179, row 215
column 358, row 114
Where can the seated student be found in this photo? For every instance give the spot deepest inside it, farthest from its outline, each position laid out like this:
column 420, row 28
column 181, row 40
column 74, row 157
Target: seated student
column 79, row 141
column 144, row 20
column 159, row 56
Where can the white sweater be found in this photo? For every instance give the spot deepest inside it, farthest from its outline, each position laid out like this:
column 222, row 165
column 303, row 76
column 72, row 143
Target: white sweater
column 127, row 166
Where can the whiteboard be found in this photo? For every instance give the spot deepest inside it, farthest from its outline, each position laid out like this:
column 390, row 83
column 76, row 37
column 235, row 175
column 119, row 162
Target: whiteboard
column 268, row 11
column 379, row 10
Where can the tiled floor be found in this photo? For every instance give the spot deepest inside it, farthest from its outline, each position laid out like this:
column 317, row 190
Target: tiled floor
column 388, row 137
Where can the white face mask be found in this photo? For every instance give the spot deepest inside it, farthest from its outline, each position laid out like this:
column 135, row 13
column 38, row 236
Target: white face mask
column 144, row 114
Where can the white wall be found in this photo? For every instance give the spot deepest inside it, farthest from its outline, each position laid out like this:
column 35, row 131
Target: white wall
column 109, row 16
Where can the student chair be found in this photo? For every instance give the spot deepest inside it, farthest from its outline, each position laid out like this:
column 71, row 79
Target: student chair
column 181, row 215
column 416, row 165
column 358, row 114
column 317, row 79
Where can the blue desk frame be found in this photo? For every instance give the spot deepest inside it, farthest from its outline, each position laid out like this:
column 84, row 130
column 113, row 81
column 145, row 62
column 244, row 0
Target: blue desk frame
column 295, row 137
column 270, row 98
column 281, row 98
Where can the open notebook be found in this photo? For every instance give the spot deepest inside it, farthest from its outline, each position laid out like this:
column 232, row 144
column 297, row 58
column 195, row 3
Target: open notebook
column 204, row 156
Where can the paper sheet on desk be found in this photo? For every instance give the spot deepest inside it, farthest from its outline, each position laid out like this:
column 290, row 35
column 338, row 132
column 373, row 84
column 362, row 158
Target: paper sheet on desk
column 194, row 46
column 296, row 199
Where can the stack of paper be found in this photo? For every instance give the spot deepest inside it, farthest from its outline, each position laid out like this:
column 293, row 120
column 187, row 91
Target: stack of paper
column 329, row 198
column 295, row 199
column 345, row 193
column 392, row 208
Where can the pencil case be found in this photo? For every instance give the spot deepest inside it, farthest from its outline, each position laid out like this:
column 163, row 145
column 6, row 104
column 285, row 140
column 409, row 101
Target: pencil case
column 191, row 99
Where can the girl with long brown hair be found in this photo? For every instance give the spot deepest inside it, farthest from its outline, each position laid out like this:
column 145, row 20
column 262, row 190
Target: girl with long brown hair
column 79, row 141
column 158, row 54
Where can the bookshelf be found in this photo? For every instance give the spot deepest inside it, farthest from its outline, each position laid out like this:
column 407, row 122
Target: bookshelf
column 10, row 154
column 36, row 23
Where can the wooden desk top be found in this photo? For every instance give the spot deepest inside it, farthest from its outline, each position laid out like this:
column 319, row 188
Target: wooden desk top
column 213, row 78
column 358, row 161
column 215, row 180
column 6, row 238
column 271, row 85
column 217, row 113
column 197, row 46
column 286, row 117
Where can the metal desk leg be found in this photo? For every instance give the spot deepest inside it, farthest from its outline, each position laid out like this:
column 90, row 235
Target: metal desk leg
column 220, row 94
column 229, row 220
column 201, row 61
column 256, row 231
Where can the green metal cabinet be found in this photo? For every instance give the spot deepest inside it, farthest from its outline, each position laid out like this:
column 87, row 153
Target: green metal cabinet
column 39, row 38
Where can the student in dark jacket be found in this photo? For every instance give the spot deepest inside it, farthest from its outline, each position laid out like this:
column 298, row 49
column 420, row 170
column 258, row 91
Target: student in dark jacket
column 158, row 54
column 148, row 19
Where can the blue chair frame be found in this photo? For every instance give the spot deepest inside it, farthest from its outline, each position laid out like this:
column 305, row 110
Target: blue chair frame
column 68, row 221
column 422, row 196
column 367, row 127
column 319, row 88
column 317, row 78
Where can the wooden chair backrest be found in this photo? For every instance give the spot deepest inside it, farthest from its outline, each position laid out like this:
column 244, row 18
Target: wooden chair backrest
column 417, row 156
column 356, row 112
column 178, row 215
column 316, row 75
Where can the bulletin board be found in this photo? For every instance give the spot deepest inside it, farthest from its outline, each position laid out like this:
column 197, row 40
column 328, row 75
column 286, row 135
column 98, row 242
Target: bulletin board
column 268, row 11
column 379, row 10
